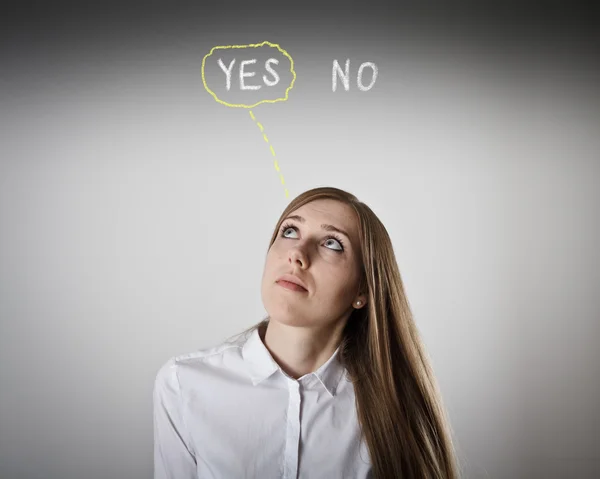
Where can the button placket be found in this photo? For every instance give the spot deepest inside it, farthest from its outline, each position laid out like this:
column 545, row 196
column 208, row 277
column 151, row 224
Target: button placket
column 292, row 443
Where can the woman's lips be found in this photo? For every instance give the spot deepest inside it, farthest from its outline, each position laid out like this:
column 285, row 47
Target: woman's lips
column 290, row 286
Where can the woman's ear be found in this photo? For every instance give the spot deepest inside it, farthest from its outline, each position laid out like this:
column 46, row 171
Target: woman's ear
column 360, row 301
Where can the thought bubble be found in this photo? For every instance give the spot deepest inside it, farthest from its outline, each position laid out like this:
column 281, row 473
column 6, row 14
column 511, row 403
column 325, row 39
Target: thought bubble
column 243, row 66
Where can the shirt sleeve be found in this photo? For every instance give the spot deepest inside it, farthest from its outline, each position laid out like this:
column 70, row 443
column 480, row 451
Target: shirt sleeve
column 173, row 455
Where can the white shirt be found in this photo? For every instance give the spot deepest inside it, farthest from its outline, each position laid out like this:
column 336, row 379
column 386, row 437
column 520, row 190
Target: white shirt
column 231, row 412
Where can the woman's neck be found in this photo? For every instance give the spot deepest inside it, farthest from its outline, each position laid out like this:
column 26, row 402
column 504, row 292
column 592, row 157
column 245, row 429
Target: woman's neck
column 299, row 350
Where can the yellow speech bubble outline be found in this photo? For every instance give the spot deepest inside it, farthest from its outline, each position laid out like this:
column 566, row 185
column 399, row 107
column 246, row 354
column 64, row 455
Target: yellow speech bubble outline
column 254, row 45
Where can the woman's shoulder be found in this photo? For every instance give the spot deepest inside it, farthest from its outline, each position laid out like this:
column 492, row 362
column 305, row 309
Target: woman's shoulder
column 224, row 354
column 206, row 354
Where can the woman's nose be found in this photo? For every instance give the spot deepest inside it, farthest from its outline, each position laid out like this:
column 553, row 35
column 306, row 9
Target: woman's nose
column 298, row 257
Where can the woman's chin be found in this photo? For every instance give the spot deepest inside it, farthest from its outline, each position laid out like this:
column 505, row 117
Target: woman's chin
column 288, row 319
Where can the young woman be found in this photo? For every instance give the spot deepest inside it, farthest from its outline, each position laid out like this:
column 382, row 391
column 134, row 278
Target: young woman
column 333, row 383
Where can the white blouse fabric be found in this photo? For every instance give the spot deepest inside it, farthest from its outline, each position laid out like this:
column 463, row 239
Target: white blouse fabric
column 230, row 412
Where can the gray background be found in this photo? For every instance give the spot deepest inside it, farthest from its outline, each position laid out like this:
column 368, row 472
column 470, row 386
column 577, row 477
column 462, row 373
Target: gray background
column 135, row 213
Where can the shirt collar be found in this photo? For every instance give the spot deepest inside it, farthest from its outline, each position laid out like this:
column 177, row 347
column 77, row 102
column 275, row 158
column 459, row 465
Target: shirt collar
column 261, row 364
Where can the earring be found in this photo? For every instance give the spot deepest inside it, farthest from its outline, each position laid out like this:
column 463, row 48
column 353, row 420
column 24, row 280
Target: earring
column 358, row 303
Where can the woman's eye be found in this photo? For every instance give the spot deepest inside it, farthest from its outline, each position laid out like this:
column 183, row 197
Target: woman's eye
column 339, row 248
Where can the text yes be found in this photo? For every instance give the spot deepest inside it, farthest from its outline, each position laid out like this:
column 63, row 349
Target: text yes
column 243, row 74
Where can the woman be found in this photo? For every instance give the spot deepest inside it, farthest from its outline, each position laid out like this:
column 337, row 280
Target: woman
column 334, row 383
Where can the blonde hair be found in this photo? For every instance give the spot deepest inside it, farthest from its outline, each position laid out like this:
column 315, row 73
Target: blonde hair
column 398, row 402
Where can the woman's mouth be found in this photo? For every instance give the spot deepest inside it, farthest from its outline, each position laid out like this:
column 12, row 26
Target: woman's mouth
column 291, row 286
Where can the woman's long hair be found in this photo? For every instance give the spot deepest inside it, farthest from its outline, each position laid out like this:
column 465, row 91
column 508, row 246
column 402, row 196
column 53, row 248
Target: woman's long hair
column 399, row 406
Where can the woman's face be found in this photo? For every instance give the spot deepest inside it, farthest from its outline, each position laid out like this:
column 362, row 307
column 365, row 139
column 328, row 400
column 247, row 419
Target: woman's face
column 325, row 261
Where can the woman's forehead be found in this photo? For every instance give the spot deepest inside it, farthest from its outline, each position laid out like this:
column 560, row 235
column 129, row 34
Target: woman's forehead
column 330, row 212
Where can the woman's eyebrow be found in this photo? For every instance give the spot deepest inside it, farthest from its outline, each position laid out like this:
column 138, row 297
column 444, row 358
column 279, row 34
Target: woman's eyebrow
column 326, row 227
